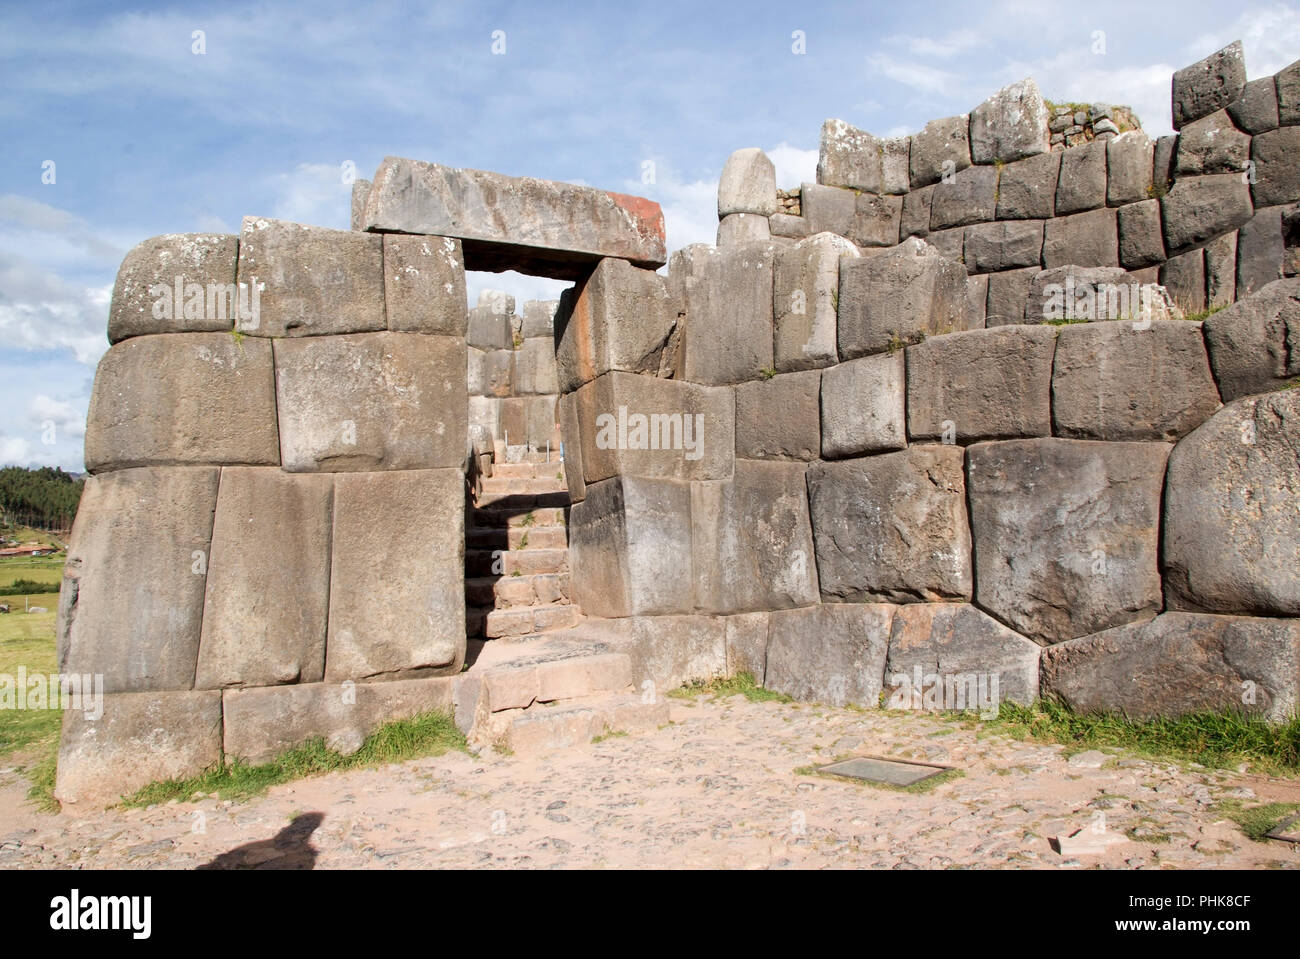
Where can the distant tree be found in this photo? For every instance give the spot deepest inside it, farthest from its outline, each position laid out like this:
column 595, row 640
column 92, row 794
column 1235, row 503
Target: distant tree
column 44, row 498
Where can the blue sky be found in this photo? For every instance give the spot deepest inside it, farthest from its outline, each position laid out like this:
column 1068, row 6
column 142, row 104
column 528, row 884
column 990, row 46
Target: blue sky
column 149, row 137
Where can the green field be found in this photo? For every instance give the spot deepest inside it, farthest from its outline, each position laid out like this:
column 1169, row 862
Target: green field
column 41, row 569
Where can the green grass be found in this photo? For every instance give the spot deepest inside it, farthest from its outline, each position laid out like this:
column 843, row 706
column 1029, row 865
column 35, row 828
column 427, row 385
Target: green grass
column 1257, row 821
column 742, row 684
column 1198, row 315
column 609, row 734
column 27, row 639
column 30, row 581
column 430, row 734
column 1221, row 740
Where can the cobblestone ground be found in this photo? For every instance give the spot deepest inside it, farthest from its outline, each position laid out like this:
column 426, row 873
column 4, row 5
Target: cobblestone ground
column 718, row 787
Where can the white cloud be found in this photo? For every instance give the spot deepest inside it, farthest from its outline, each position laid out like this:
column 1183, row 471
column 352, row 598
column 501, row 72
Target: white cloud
column 914, row 75
column 40, row 311
column 1270, row 38
column 315, row 194
column 793, row 165
column 945, row 47
column 67, row 418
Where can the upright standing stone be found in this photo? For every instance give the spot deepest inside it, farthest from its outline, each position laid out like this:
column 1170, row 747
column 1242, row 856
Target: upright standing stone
column 1010, row 125
column 805, row 294
column 747, row 184
column 1260, row 250
column 1129, row 159
column 1277, row 167
column 1141, row 241
column 360, row 193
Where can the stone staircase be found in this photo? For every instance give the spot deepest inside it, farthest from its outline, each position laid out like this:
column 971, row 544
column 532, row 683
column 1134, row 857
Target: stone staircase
column 517, row 553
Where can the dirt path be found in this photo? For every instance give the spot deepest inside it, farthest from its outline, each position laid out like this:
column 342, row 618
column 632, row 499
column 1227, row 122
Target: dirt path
column 717, row 788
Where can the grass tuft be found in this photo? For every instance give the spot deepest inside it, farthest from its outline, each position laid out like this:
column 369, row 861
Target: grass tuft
column 741, row 684
column 1257, row 821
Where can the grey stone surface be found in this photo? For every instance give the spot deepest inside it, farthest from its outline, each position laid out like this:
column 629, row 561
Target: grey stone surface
column 728, row 337
column 833, row 654
column 1084, row 239
column 1211, row 145
column 1180, row 663
column 424, row 285
column 1288, row 94
column 539, row 318
column 1162, row 163
column 642, row 426
column 397, row 575
column 669, row 651
column 752, row 541
column 950, row 640
column 141, row 738
column 738, row 228
column 1007, row 296
column 971, row 197
column 1260, row 251
column 892, row 527
column 1079, row 293
column 779, row 418
column 535, row 370
column 535, row 226
column 566, row 412
column 1111, row 381
column 949, row 243
column 828, row 209
column 862, row 406
column 144, row 293
column 747, row 184
column 1276, row 156
column 1066, row 533
column 1027, row 188
column 897, row 297
column 1129, row 159
column 488, row 326
column 371, row 401
column 916, row 212
column 805, row 292
column 1200, row 208
column 182, row 398
column 137, row 624
column 1221, row 271
column 360, row 192
column 941, row 149
column 1003, row 245
column 895, row 159
column 1010, row 125
column 622, row 318
column 312, row 280
column 977, row 296
column 490, row 372
column 1208, row 85
column 849, row 157
column 876, row 220
column 1252, row 343
column 1141, row 240
column 1082, row 183
column 746, row 638
column 1184, row 277
column 268, row 585
column 784, row 225
column 981, row 384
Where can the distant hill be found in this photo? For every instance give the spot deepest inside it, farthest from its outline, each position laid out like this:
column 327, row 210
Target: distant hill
column 44, row 498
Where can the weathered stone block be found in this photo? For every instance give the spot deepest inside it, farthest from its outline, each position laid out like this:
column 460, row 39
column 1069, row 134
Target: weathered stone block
column 1065, row 533
column 779, row 418
column 1184, row 277
column 728, row 336
column 371, row 401
column 941, row 149
column 892, row 527
column 977, row 296
column 952, row 641
column 898, row 297
column 490, row 372
column 1114, row 382
column 182, row 398
column 1179, row 663
column 1027, row 188
column 862, row 406
column 805, row 292
column 876, row 220
column 746, row 638
column 312, row 281
column 894, row 165
column 1277, row 166
column 738, row 228
column 833, row 654
column 1288, row 94
column 1211, row 145
column 397, row 575
column 849, row 157
column 1003, row 245
column 1010, row 125
column 1252, row 342
column 141, row 738
column 1208, row 85
column 981, row 384
column 424, row 285
column 200, row 265
column 828, row 209
column 916, row 212
column 538, row 227
column 535, row 368
column 1082, row 184
column 1084, row 239
column 539, row 421
column 1162, row 163
column 137, row 623
column 949, row 243
column 970, row 197
column 1008, row 294
column 566, row 412
column 1200, row 208
column 1082, row 293
column 360, row 192
column 1221, row 271
column 539, row 318
column 747, row 184
column 794, row 227
column 1255, row 111
column 1141, row 240
column 1260, row 251
column 268, row 583
column 1129, row 159
column 669, row 651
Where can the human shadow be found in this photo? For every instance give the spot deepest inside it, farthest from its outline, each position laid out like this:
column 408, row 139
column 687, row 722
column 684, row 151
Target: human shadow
column 290, row 848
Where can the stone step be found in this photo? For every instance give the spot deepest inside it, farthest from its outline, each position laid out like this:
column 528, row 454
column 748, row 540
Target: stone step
column 500, row 518
column 518, row 537
column 526, row 470
column 475, row 620
column 525, row 621
column 513, row 592
column 521, row 502
column 542, row 728
column 480, row 562
column 528, row 485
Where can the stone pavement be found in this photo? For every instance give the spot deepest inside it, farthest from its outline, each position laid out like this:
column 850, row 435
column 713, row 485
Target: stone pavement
column 716, row 788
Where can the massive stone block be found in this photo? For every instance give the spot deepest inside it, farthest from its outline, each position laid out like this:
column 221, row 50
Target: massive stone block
column 267, row 593
column 144, row 294
column 1003, row 245
column 862, row 404
column 828, row 209
column 728, row 336
column 1260, row 250
column 535, row 367
column 895, row 161
column 833, row 654
column 566, row 414
column 534, row 226
column 779, row 418
column 1208, row 85
column 1027, row 188
column 1180, row 663
column 1129, row 159
column 424, row 285
column 371, row 401
column 746, row 638
column 630, row 548
column 137, row 622
column 1221, row 271
column 977, row 298
column 621, row 318
column 1113, row 382
column 1010, row 125
column 1211, row 145
column 970, row 197
column 1184, row 277
column 360, row 191
column 747, row 184
column 539, row 318
column 1081, row 293
column 490, row 372
column 954, row 640
column 1082, row 184
column 751, row 540
column 1141, row 241
column 488, row 327
column 739, row 228
column 1007, row 296
column 1084, row 239
column 1065, row 533
column 981, row 384
column 182, row 398
column 397, row 575
column 1288, row 94
column 1277, row 167
column 1255, row 111
column 898, row 297
column 892, row 527
column 141, row 738
column 917, row 208
column 1232, row 530
column 1198, row 209
column 642, row 426
column 311, row 280
column 876, row 220
column 805, row 294
column 849, row 157
column 1253, row 342
column 941, row 148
